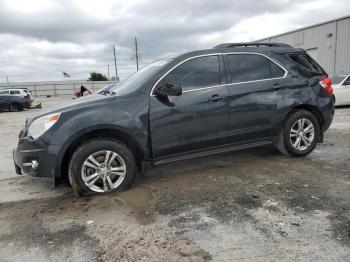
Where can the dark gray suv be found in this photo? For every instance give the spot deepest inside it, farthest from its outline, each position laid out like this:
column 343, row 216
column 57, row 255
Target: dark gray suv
column 231, row 97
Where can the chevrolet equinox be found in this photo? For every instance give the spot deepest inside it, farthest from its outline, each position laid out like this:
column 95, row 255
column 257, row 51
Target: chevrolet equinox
column 230, row 97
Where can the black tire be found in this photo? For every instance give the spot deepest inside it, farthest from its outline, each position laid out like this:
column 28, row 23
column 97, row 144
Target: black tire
column 16, row 107
column 285, row 139
column 75, row 171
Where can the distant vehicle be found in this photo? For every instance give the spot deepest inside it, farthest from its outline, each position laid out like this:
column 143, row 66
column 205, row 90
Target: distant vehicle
column 106, row 90
column 341, row 85
column 20, row 88
column 231, row 97
column 15, row 99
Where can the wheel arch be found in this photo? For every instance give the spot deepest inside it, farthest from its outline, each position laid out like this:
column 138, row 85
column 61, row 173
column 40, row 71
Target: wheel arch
column 311, row 108
column 106, row 133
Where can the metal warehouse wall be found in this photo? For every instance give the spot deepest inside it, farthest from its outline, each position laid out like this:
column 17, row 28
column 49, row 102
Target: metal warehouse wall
column 328, row 43
column 57, row 88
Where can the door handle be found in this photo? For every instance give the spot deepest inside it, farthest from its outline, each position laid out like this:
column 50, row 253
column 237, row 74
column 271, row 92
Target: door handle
column 216, row 98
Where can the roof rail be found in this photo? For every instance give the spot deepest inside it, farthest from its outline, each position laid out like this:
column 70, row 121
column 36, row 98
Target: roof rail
column 263, row 44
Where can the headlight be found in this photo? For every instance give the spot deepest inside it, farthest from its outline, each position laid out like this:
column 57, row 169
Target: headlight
column 41, row 125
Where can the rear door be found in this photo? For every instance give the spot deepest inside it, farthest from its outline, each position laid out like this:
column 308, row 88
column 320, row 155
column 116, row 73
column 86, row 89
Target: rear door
column 254, row 81
column 196, row 120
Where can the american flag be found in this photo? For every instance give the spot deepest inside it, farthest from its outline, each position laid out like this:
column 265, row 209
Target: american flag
column 65, row 75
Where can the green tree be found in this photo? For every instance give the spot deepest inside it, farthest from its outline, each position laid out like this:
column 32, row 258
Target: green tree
column 94, row 76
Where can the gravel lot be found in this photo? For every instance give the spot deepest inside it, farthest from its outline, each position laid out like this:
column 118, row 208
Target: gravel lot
column 253, row 205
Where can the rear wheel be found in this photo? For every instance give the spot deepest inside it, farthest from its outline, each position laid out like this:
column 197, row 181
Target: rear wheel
column 15, row 107
column 101, row 166
column 300, row 134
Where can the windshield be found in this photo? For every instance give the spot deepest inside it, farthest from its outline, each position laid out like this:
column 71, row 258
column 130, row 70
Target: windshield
column 337, row 79
column 134, row 81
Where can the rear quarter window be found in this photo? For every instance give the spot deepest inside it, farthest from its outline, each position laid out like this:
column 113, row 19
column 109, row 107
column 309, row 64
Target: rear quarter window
column 305, row 64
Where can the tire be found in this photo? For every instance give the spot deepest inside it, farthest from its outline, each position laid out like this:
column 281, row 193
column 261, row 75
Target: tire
column 16, row 107
column 84, row 171
column 300, row 134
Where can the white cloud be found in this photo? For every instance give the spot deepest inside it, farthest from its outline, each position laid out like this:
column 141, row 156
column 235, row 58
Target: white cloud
column 41, row 38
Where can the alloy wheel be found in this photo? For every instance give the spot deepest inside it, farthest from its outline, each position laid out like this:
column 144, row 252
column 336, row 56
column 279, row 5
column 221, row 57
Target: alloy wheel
column 103, row 171
column 302, row 134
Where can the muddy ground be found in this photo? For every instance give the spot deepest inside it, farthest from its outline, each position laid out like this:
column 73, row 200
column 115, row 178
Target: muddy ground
column 253, row 205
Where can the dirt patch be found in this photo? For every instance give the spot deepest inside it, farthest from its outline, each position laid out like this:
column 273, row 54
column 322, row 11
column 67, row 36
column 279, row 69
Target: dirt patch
column 253, row 205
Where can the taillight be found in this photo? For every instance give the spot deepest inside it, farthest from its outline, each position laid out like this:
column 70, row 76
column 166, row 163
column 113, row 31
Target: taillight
column 326, row 83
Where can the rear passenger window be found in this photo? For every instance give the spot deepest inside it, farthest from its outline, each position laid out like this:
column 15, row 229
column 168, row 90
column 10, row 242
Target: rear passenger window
column 5, row 92
column 196, row 73
column 250, row 67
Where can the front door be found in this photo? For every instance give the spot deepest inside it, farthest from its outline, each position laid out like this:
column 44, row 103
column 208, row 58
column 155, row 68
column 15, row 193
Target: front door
column 198, row 119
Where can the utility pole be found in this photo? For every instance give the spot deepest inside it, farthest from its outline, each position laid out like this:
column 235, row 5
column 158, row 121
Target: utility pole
column 136, row 54
column 108, row 72
column 7, row 79
column 115, row 63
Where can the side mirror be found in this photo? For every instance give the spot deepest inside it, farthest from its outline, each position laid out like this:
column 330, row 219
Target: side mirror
column 168, row 89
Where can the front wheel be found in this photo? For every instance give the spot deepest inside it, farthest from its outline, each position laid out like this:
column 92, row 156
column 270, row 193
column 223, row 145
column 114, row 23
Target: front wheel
column 300, row 134
column 101, row 166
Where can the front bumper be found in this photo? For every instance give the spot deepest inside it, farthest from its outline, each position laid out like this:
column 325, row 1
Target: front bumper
column 32, row 157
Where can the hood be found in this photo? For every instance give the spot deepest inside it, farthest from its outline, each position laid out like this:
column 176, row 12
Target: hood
column 77, row 103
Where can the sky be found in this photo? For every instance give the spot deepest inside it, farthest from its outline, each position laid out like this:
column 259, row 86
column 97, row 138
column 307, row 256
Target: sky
column 40, row 39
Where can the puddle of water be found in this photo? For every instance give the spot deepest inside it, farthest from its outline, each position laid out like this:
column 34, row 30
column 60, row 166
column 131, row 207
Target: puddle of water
column 139, row 199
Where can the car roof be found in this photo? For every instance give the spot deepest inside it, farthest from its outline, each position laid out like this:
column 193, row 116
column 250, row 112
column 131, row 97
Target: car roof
column 252, row 44
column 17, row 88
column 248, row 47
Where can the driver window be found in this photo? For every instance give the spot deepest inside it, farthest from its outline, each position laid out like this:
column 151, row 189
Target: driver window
column 196, row 73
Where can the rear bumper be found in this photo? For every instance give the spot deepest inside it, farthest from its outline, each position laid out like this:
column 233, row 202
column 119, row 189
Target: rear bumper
column 33, row 158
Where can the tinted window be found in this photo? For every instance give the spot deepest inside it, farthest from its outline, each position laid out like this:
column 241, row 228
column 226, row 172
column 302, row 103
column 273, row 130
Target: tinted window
column 305, row 64
column 196, row 73
column 14, row 92
column 347, row 81
column 5, row 92
column 250, row 67
column 337, row 79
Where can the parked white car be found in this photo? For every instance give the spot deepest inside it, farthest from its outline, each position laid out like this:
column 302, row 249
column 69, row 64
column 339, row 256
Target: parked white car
column 341, row 86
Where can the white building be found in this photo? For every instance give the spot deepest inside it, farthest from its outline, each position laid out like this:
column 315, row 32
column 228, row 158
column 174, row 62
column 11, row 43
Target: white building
column 328, row 43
